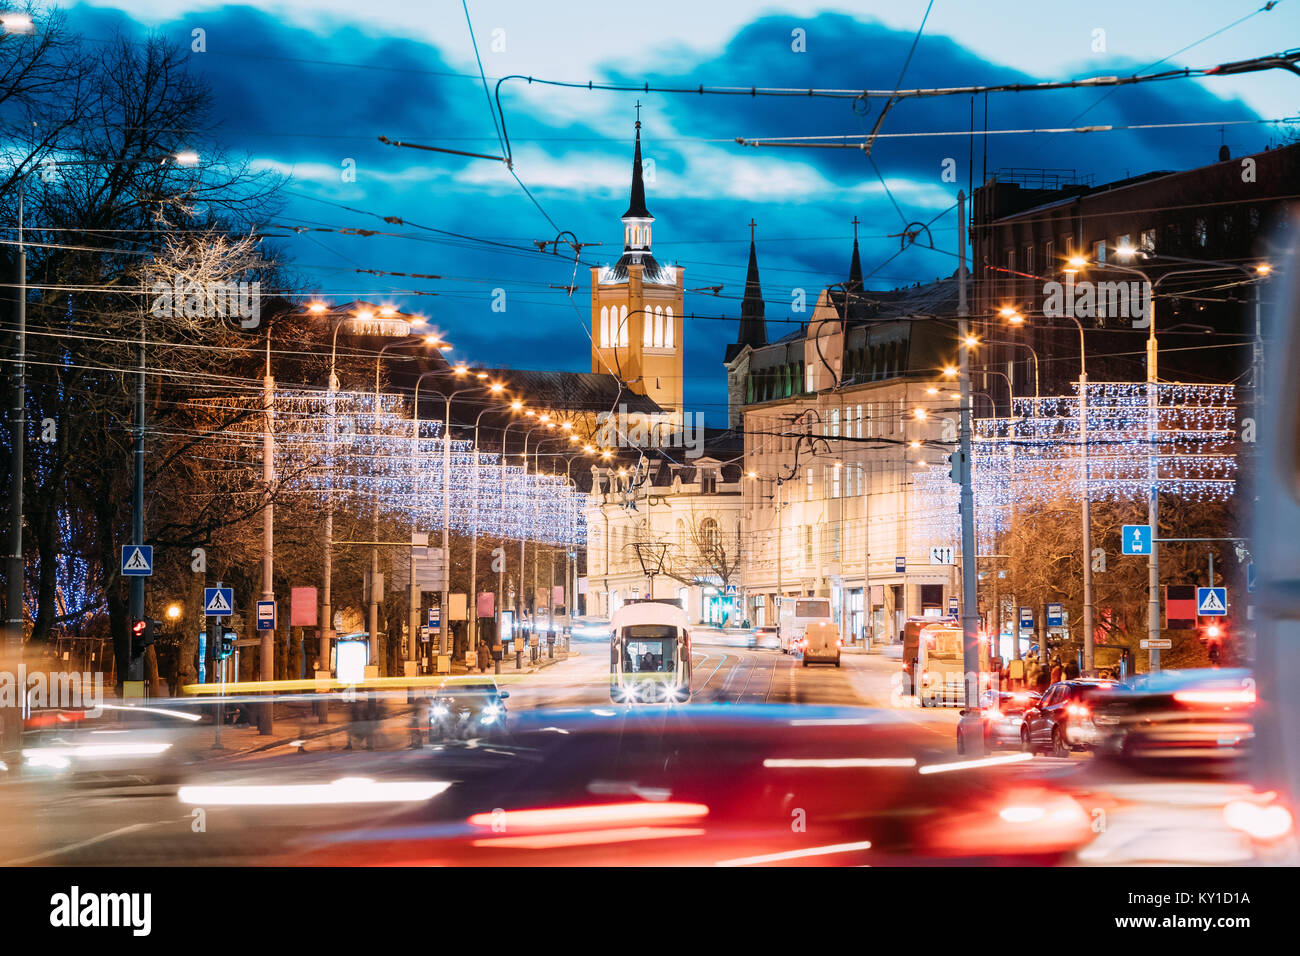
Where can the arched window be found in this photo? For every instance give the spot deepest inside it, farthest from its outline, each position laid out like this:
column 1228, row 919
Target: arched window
column 604, row 327
column 647, row 329
column 669, row 329
column 659, row 327
column 681, row 532
column 622, row 328
column 710, row 536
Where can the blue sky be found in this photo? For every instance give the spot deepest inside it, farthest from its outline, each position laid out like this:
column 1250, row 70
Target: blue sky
column 302, row 88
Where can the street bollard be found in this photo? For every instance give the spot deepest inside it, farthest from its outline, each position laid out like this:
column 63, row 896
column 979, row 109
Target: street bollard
column 519, row 659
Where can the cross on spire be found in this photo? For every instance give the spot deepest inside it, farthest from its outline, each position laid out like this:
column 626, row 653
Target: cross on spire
column 752, row 224
column 638, row 114
column 855, row 228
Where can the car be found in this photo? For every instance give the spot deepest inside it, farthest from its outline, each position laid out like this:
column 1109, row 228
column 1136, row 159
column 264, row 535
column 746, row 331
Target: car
column 999, row 720
column 766, row 636
column 1197, row 714
column 1061, row 721
column 465, row 709
column 590, row 629
column 821, row 644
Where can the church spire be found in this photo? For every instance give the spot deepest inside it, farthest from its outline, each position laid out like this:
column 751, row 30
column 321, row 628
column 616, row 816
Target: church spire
column 753, row 326
column 855, row 265
column 636, row 209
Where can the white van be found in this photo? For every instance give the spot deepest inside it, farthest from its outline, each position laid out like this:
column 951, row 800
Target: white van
column 821, row 644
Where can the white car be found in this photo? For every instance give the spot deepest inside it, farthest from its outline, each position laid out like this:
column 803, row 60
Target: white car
column 821, row 644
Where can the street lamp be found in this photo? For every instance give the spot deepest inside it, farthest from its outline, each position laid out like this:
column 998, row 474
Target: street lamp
column 361, row 321
column 1153, row 408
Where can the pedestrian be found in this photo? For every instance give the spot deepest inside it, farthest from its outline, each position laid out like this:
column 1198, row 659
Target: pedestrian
column 484, row 656
column 1071, row 670
column 1056, row 672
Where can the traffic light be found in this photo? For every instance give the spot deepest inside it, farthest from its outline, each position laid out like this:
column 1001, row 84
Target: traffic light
column 956, row 467
column 1212, row 635
column 227, row 645
column 144, row 632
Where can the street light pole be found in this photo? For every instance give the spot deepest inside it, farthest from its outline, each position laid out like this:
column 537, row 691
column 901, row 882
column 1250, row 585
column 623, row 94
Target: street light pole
column 265, row 716
column 969, row 608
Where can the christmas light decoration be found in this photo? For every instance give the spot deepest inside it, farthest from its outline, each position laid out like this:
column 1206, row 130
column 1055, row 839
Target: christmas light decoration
column 1036, row 456
column 357, row 448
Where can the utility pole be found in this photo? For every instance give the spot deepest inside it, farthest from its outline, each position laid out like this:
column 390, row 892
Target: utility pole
column 135, row 664
column 1153, row 499
column 267, row 654
column 969, row 610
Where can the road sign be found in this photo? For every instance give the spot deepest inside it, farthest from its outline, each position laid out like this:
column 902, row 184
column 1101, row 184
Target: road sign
column 946, row 555
column 1160, row 644
column 1137, row 539
column 435, row 619
column 137, row 559
column 1026, row 618
column 266, row 615
column 953, row 606
column 218, row 602
column 1212, row 602
column 900, row 565
column 1055, row 615
column 1250, row 578
column 1180, row 605
column 731, row 589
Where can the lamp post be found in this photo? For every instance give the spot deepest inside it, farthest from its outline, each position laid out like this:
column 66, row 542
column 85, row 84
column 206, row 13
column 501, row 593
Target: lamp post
column 444, row 598
column 496, row 388
column 1153, row 457
column 523, row 531
column 373, row 621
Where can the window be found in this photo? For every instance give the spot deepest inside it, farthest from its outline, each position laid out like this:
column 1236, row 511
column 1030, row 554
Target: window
column 669, row 329
column 808, row 543
column 708, row 483
column 604, row 327
column 1028, row 264
column 1147, row 240
column 659, row 327
column 710, row 535
column 835, row 481
column 622, row 327
column 1202, row 235
column 1049, row 257
column 647, row 326
column 835, row 423
column 1099, row 251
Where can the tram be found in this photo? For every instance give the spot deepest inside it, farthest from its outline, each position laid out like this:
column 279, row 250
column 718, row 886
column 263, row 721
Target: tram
column 650, row 653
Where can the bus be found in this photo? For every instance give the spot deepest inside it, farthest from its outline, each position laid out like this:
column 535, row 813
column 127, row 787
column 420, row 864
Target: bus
column 650, row 653
column 796, row 614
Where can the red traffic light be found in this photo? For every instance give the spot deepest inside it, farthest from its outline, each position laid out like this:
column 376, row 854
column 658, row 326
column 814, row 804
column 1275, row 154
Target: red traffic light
column 1213, row 632
column 138, row 627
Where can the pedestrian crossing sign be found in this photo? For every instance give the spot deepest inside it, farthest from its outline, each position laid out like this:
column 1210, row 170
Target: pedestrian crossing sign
column 218, row 602
column 1212, row 602
column 137, row 559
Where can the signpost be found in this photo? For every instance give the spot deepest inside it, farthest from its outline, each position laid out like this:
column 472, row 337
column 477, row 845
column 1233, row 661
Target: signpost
column 1137, row 539
column 1055, row 615
column 266, row 615
column 900, row 565
column 1163, row 644
column 137, row 560
column 1026, row 618
column 1212, row 602
column 218, row 601
column 947, row 555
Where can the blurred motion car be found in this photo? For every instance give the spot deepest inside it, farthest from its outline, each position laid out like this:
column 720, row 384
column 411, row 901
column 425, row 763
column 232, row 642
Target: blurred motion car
column 1196, row 714
column 590, row 629
column 999, row 721
column 114, row 743
column 702, row 785
column 1062, row 720
column 766, row 636
column 462, row 710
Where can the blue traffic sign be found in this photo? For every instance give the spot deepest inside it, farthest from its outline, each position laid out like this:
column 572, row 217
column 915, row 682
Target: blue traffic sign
column 218, row 602
column 1212, row 602
column 1027, row 618
column 435, row 617
column 137, row 559
column 1137, row 539
column 1055, row 615
column 900, row 565
column 266, row 615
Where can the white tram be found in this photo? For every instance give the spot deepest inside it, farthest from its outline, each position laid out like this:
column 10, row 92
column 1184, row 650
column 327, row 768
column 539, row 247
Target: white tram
column 650, row 653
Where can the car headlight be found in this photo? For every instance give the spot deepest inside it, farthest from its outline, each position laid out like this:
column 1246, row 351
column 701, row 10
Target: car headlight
column 492, row 710
column 439, row 710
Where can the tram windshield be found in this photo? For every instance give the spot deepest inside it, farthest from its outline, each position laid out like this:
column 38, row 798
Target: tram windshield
column 649, row 648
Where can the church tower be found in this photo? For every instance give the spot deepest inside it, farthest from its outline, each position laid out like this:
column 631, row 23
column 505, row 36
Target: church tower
column 636, row 309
